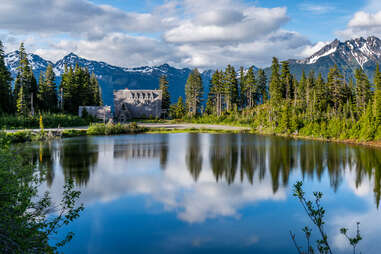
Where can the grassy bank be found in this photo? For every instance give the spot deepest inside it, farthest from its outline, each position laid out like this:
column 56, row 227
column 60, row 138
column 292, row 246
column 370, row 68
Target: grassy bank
column 98, row 129
column 11, row 122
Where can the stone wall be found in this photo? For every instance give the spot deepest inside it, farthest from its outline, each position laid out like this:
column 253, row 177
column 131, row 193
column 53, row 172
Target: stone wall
column 99, row 112
column 129, row 104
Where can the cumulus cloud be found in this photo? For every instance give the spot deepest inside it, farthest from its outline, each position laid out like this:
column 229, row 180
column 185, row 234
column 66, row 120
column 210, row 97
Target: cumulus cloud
column 227, row 25
column 76, row 17
column 363, row 23
column 115, row 48
column 188, row 33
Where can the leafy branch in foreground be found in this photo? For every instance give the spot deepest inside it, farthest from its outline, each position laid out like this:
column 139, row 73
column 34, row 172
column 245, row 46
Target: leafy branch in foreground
column 316, row 213
column 29, row 222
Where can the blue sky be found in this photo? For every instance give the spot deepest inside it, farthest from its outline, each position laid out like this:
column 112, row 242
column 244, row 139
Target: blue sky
column 192, row 33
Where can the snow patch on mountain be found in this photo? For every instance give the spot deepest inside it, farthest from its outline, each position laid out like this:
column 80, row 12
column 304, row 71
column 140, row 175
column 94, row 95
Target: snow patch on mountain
column 314, row 58
column 358, row 50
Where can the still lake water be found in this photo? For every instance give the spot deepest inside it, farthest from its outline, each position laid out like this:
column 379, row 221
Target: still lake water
column 210, row 193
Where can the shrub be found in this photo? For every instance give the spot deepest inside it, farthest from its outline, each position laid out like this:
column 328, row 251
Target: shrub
column 113, row 129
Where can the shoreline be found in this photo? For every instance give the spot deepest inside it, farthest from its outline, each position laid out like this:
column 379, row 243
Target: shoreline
column 183, row 127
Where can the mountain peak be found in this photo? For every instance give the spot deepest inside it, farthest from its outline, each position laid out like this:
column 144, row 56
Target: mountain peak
column 71, row 55
column 355, row 51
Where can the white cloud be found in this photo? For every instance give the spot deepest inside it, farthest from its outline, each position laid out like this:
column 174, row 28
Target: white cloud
column 76, row 17
column 115, row 48
column 226, row 25
column 312, row 49
column 188, row 33
column 316, row 8
column 366, row 22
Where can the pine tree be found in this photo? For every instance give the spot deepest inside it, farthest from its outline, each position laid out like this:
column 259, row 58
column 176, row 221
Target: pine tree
column 285, row 119
column 301, row 90
column 276, row 92
column 180, row 108
column 242, row 88
column 321, row 95
column 193, row 92
column 377, row 96
column 286, row 88
column 21, row 103
column 5, row 85
column 335, row 88
column 163, row 86
column 96, row 90
column 216, row 90
column 251, row 90
column 363, row 92
column 231, row 88
column 310, row 93
column 262, row 86
column 26, row 80
column 47, row 91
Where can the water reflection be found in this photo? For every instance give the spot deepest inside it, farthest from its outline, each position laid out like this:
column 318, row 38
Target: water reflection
column 142, row 150
column 224, row 157
column 256, row 157
column 193, row 157
column 213, row 182
column 78, row 159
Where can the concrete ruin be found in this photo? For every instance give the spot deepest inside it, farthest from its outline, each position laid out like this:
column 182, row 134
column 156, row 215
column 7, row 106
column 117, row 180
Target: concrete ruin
column 99, row 112
column 129, row 104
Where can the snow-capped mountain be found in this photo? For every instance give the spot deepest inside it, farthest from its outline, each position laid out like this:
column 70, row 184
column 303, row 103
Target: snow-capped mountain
column 357, row 51
column 348, row 56
column 38, row 63
column 113, row 77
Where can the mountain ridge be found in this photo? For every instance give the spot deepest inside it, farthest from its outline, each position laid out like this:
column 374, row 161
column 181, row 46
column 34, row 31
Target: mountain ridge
column 347, row 55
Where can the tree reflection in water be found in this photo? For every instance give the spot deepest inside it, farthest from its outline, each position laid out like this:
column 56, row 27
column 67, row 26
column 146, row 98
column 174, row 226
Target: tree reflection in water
column 193, row 157
column 280, row 156
column 254, row 156
column 78, row 158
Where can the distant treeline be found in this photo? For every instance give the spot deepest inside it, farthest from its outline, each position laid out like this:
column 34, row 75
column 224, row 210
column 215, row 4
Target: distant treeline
column 328, row 107
column 27, row 96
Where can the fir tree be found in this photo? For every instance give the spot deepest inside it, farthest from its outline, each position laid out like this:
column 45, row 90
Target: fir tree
column 180, row 108
column 363, row 92
column 286, row 88
column 231, row 87
column 250, row 88
column 193, row 92
column 321, row 95
column 335, row 87
column 377, row 96
column 21, row 103
column 47, row 91
column 301, row 90
column 5, row 85
column 216, row 90
column 276, row 91
column 26, row 80
column 96, row 90
column 163, row 86
column 262, row 86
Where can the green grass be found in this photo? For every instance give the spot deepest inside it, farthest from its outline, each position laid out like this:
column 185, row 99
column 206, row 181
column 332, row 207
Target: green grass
column 114, row 129
column 49, row 120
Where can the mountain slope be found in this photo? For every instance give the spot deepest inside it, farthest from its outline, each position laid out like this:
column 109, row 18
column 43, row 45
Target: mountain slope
column 112, row 77
column 348, row 56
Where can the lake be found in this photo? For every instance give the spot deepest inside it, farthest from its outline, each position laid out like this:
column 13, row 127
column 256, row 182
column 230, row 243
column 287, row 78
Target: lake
column 210, row 193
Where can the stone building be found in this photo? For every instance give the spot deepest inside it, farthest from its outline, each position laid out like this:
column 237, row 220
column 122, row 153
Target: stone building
column 130, row 104
column 99, row 112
